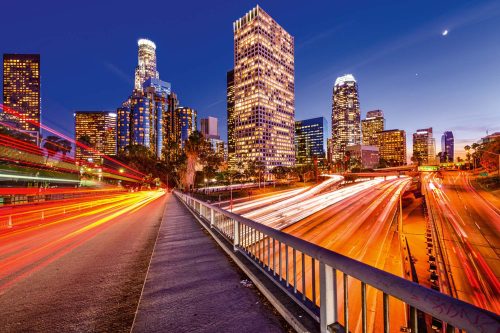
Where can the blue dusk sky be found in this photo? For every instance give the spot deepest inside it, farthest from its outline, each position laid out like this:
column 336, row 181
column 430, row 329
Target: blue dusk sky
column 396, row 50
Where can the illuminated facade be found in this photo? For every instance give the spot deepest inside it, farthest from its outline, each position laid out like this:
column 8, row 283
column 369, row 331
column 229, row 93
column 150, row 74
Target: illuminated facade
column 21, row 88
column 371, row 126
column 230, row 115
column 310, row 140
column 146, row 67
column 96, row 129
column 264, row 92
column 424, row 146
column 447, row 147
column 392, row 147
column 123, row 126
column 185, row 120
column 346, row 129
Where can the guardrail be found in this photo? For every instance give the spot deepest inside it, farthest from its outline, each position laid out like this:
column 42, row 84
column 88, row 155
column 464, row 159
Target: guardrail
column 283, row 257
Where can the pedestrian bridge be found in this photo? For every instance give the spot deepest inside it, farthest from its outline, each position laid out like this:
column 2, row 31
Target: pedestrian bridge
column 331, row 287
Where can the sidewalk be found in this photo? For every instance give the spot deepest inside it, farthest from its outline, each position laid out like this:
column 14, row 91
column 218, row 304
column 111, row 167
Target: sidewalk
column 192, row 286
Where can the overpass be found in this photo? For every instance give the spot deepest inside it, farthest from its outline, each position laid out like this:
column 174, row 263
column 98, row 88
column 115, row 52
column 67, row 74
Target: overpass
column 323, row 291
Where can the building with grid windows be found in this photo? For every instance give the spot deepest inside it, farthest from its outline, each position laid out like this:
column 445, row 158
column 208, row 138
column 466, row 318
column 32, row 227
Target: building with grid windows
column 362, row 156
column 21, row 89
column 185, row 123
column 97, row 130
column 264, row 93
column 230, row 114
column 371, row 126
column 346, row 128
column 392, row 147
column 310, row 140
column 424, row 146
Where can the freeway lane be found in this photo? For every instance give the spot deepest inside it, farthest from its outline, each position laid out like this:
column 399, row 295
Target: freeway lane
column 82, row 271
column 361, row 227
column 470, row 232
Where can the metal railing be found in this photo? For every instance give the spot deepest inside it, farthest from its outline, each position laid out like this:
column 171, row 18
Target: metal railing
column 308, row 274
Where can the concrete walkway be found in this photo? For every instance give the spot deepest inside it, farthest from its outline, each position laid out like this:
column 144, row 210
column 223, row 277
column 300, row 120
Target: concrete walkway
column 192, row 286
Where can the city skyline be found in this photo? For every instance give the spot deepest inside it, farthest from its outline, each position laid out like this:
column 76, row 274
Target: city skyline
column 426, row 94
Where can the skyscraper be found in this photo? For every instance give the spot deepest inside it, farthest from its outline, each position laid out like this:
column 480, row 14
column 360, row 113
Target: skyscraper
column 310, row 140
column 392, row 147
column 346, row 128
column 424, row 146
column 447, row 147
column 157, row 91
column 184, row 124
column 124, row 125
column 96, row 129
column 146, row 66
column 264, row 93
column 373, row 124
column 144, row 119
column 21, row 88
column 230, row 114
column 209, row 128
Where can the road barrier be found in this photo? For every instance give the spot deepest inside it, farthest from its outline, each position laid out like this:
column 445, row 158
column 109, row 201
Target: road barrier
column 282, row 257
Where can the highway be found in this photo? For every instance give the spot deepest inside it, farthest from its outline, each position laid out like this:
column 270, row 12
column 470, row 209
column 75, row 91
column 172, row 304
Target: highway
column 469, row 232
column 359, row 223
column 81, row 266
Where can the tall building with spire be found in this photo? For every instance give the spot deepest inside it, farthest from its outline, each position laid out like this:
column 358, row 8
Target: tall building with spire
column 264, row 91
column 146, row 67
column 346, row 127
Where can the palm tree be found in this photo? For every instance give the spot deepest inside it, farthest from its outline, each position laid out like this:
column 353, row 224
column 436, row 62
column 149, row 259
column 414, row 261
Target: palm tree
column 192, row 148
column 54, row 144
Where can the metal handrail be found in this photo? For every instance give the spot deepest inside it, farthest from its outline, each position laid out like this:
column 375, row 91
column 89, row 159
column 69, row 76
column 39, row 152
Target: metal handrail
column 457, row 313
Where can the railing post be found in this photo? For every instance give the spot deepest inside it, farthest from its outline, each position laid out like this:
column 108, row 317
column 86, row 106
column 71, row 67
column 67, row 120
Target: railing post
column 236, row 238
column 328, row 296
column 212, row 217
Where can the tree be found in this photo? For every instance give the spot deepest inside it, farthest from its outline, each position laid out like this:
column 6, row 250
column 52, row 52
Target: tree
column 280, row 172
column 489, row 155
column 440, row 156
column 416, row 158
column 54, row 144
column 193, row 149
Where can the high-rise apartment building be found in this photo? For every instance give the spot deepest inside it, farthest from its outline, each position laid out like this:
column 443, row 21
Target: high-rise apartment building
column 146, row 67
column 209, row 128
column 392, row 147
column 97, row 130
column 447, row 147
column 264, row 93
column 123, row 125
column 230, row 114
column 424, row 146
column 185, row 123
column 21, row 88
column 310, row 140
column 371, row 126
column 346, row 127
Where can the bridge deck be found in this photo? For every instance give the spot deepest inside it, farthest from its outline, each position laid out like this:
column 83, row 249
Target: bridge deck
column 192, row 286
